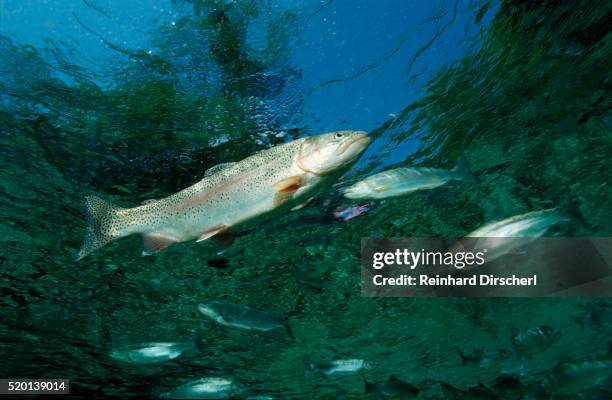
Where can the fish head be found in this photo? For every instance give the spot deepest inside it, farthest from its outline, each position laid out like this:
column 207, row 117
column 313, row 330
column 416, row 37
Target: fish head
column 332, row 152
column 359, row 190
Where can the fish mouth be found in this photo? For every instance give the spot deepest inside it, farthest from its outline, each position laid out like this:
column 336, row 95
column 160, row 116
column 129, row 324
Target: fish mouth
column 357, row 138
column 362, row 138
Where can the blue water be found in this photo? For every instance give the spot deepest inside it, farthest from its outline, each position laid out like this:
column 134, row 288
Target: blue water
column 358, row 63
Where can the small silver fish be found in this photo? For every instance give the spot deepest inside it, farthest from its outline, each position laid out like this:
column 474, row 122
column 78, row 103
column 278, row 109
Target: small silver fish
column 534, row 339
column 230, row 195
column 241, row 317
column 531, row 224
column 342, row 367
column 401, row 181
column 206, row 388
column 149, row 353
column 507, row 236
column 574, row 378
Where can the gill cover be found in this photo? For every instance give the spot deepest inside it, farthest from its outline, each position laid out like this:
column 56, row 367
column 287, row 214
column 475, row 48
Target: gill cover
column 332, row 151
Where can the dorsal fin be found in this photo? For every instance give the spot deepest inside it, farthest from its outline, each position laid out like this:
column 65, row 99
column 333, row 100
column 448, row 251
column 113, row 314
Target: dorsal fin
column 218, row 168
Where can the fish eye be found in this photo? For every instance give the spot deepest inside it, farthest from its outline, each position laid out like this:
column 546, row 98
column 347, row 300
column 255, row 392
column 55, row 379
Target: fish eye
column 339, row 135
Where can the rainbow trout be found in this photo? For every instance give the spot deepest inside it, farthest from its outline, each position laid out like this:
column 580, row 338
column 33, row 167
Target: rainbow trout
column 230, row 195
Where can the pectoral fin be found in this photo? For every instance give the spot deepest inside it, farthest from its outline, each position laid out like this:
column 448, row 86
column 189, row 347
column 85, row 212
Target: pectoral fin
column 286, row 188
column 290, row 184
column 154, row 242
column 215, row 230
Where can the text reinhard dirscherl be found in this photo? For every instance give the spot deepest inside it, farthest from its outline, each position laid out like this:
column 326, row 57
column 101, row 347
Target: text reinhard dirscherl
column 449, row 280
column 457, row 260
column 486, row 266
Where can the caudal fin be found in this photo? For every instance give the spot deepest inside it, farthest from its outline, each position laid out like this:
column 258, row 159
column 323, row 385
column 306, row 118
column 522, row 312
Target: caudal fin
column 101, row 216
column 464, row 171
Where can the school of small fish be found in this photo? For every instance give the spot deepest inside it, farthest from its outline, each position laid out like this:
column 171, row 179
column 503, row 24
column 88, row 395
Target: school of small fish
column 285, row 177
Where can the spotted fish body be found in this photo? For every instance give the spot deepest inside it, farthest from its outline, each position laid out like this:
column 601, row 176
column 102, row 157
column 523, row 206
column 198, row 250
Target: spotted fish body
column 230, row 195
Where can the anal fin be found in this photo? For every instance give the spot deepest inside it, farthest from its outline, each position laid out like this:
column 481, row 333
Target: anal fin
column 300, row 206
column 215, row 230
column 153, row 242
